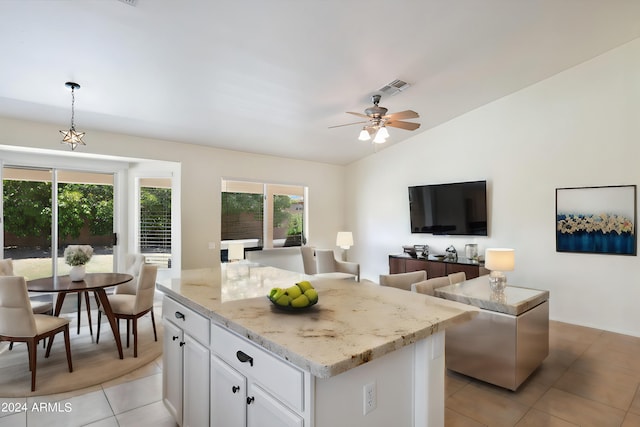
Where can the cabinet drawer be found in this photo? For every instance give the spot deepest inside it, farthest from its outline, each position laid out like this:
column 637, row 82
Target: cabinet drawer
column 194, row 324
column 283, row 380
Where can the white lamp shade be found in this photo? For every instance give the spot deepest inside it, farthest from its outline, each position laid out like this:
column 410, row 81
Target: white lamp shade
column 364, row 135
column 499, row 259
column 235, row 251
column 380, row 137
column 344, row 239
column 383, row 132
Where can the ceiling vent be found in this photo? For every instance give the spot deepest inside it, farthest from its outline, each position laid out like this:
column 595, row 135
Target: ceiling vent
column 394, row 87
column 129, row 2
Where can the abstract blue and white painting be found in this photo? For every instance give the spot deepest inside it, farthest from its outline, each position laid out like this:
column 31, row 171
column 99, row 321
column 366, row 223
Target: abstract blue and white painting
column 596, row 219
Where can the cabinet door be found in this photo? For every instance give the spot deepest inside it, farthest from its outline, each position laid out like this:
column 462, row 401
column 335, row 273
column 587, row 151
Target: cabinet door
column 196, row 383
column 172, row 370
column 263, row 410
column 436, row 269
column 396, row 265
column 415, row 265
column 228, row 395
column 470, row 271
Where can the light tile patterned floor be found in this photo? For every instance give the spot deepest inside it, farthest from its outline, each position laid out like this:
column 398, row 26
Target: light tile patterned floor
column 591, row 378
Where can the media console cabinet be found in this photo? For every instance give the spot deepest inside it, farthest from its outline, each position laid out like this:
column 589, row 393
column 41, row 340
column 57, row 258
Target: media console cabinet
column 435, row 267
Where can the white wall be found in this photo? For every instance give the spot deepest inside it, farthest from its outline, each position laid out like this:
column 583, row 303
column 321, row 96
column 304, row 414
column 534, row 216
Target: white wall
column 578, row 128
column 202, row 170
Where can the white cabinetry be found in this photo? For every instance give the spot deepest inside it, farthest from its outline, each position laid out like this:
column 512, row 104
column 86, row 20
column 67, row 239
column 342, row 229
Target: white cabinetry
column 185, row 390
column 252, row 388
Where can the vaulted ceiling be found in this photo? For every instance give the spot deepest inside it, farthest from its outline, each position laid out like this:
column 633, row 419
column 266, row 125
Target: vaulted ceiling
column 271, row 76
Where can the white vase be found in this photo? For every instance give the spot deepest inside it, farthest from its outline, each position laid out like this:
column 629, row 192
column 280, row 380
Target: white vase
column 77, row 273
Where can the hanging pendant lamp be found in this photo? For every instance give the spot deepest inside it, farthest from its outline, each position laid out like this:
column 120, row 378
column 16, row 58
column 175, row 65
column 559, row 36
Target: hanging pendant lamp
column 71, row 136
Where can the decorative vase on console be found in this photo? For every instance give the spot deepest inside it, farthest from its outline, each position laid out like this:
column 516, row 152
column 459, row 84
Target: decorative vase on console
column 77, row 256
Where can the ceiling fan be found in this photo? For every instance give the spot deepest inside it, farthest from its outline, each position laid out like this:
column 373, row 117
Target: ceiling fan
column 378, row 120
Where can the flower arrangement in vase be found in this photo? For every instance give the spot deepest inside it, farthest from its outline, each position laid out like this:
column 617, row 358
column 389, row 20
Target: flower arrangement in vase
column 77, row 256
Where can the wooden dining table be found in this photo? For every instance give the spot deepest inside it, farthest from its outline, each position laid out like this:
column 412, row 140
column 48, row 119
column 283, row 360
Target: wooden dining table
column 96, row 282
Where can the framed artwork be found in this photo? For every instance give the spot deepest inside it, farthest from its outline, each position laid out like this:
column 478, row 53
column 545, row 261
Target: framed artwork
column 597, row 220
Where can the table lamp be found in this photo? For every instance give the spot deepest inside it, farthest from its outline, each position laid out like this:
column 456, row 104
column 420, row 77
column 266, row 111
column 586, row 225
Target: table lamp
column 499, row 260
column 344, row 239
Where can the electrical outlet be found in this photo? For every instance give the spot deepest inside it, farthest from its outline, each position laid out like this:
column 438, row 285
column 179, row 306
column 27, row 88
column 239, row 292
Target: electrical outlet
column 370, row 398
column 212, row 245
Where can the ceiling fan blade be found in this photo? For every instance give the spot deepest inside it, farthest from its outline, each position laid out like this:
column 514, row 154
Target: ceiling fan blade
column 401, row 115
column 402, row 125
column 364, row 116
column 347, row 124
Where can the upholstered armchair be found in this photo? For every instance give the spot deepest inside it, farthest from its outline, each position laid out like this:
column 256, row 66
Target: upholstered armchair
column 327, row 266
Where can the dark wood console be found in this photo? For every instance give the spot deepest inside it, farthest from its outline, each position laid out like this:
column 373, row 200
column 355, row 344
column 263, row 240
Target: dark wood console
column 435, row 267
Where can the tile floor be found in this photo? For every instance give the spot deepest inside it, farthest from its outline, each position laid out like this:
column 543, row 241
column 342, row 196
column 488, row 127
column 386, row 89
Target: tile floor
column 591, row 378
column 134, row 400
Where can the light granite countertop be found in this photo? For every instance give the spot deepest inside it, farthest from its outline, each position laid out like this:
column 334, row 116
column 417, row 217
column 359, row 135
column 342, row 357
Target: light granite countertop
column 351, row 324
column 477, row 292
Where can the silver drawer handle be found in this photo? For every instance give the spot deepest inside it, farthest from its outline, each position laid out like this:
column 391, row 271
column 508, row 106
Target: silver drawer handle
column 179, row 315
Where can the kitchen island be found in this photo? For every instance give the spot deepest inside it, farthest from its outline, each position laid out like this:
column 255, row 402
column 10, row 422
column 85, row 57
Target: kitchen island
column 365, row 355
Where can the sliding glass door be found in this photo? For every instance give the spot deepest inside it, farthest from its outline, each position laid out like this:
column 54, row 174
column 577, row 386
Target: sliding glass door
column 27, row 219
column 85, row 217
column 45, row 210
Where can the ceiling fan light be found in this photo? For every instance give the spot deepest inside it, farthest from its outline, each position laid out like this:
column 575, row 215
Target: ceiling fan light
column 364, row 135
column 380, row 138
column 383, row 132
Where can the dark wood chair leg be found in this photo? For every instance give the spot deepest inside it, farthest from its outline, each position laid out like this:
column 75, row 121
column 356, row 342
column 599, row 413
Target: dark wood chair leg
column 135, row 336
column 98, row 331
column 11, row 345
column 153, row 322
column 46, row 354
column 33, row 348
column 67, row 345
column 128, row 332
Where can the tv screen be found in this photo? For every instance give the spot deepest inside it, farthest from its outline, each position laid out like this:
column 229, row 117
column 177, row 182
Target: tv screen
column 454, row 209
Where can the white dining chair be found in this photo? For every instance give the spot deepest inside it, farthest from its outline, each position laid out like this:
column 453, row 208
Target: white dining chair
column 132, row 307
column 429, row 286
column 18, row 323
column 132, row 265
column 403, row 280
column 38, row 306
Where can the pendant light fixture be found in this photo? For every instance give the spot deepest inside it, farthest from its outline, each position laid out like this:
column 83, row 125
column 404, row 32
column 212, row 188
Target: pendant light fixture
column 71, row 136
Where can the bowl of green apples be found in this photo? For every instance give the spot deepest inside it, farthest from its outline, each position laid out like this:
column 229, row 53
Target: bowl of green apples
column 299, row 297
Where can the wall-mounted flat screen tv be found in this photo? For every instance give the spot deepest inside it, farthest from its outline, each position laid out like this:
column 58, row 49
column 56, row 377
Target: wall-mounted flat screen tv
column 453, row 209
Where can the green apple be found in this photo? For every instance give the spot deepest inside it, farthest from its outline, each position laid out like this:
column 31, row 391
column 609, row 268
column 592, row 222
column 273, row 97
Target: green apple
column 284, row 300
column 312, row 294
column 276, row 293
column 301, row 301
column 294, row 292
column 305, row 285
